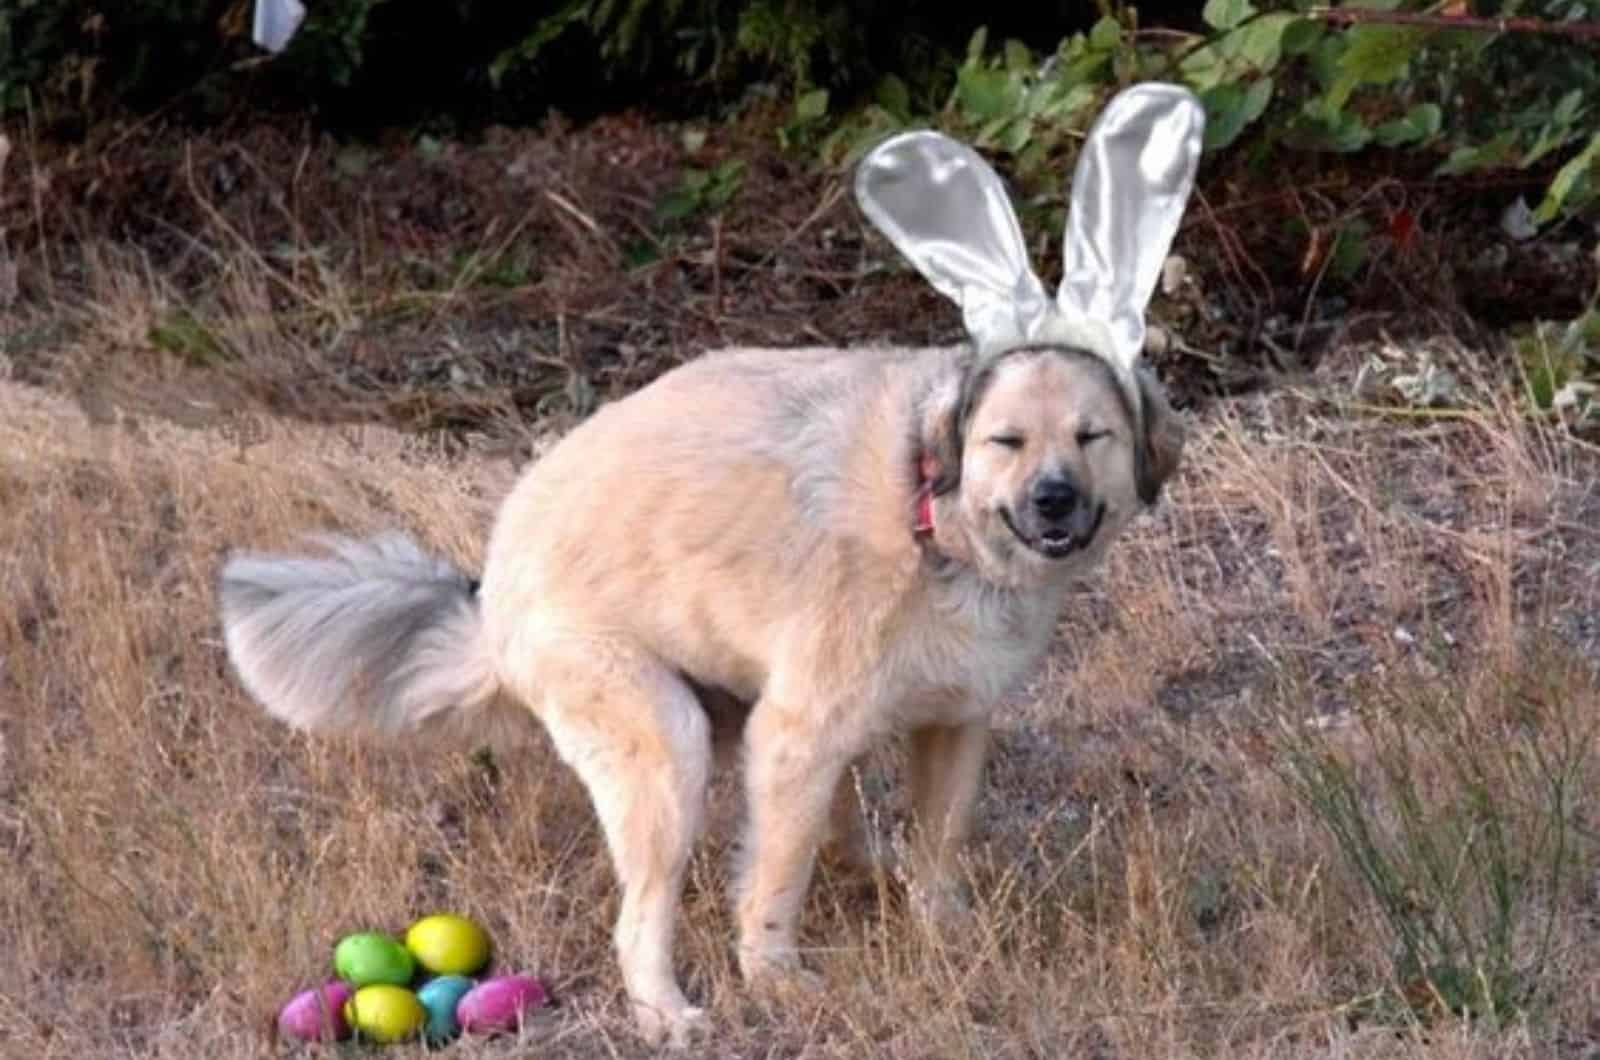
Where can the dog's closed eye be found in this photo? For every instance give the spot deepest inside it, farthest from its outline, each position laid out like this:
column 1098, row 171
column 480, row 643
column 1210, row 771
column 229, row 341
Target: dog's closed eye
column 1009, row 441
column 1087, row 436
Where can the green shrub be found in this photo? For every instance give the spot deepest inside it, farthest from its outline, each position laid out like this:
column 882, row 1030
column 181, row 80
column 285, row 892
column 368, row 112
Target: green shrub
column 1280, row 78
column 1457, row 808
column 376, row 62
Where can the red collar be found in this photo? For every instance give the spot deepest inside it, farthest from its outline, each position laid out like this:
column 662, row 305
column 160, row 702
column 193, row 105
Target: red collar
column 923, row 527
column 927, row 469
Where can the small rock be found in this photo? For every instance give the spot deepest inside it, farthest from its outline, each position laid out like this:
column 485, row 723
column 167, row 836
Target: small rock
column 1517, row 221
column 1173, row 272
column 1156, row 340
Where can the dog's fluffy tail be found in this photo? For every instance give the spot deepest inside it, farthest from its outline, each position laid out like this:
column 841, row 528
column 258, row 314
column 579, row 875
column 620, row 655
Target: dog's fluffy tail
column 371, row 636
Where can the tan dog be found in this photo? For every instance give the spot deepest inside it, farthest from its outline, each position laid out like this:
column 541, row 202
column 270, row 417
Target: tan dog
column 746, row 523
column 849, row 543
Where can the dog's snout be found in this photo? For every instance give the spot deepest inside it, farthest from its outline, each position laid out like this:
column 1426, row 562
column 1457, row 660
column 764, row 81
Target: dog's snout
column 1055, row 497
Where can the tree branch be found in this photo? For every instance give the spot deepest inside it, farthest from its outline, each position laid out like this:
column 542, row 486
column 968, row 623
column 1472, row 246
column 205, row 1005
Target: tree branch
column 1520, row 24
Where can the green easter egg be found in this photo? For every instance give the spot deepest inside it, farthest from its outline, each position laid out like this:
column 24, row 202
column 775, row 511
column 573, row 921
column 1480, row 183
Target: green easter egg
column 371, row 957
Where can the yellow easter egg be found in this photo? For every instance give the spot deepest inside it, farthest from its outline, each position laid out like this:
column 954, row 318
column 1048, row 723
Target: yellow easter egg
column 385, row 1013
column 447, row 944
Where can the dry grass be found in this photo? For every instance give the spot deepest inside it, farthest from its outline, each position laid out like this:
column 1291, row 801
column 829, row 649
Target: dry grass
column 173, row 865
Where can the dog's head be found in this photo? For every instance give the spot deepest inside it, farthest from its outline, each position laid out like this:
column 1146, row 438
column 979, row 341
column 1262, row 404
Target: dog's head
column 1055, row 431
column 1043, row 454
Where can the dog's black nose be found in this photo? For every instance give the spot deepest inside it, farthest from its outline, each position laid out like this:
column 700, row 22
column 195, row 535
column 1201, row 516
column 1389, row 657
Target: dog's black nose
column 1055, row 498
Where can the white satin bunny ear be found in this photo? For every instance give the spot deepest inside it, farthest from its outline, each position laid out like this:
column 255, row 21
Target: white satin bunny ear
column 945, row 209
column 1129, row 191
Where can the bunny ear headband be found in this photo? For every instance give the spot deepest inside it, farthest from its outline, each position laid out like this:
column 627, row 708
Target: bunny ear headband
column 945, row 209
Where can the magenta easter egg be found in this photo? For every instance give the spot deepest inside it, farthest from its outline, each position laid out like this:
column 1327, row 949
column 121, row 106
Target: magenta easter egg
column 317, row 1015
column 500, row 1004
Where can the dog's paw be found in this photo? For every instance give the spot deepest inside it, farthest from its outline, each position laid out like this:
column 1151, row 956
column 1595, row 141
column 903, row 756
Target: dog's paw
column 670, row 1026
column 777, row 974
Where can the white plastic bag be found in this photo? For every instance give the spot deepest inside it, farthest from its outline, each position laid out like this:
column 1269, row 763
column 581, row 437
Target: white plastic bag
column 276, row 22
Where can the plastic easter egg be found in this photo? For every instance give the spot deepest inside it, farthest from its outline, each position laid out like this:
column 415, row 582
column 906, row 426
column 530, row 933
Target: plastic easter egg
column 385, row 1013
column 440, row 997
column 447, row 944
column 317, row 1015
column 499, row 1004
column 371, row 957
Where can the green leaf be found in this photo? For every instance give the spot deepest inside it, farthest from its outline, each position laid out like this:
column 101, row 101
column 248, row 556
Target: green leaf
column 725, row 182
column 1420, row 123
column 1064, row 106
column 677, row 204
column 430, row 147
column 1567, row 108
column 528, row 48
column 1375, row 55
column 1018, row 57
column 1301, row 35
column 811, row 105
column 986, row 94
column 1231, row 108
column 1204, row 68
column 1327, row 127
column 1261, row 42
column 1548, row 361
column 1480, row 156
column 1106, row 35
column 1017, row 135
column 183, row 333
column 894, row 97
column 1583, row 334
column 1226, row 14
column 1566, row 179
column 977, row 43
column 1256, row 47
column 1349, row 251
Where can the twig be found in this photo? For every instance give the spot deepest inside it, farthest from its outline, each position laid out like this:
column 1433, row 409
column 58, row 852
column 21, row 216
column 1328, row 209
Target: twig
column 1517, row 24
column 572, row 210
column 247, row 248
column 834, row 193
column 37, row 180
column 716, row 266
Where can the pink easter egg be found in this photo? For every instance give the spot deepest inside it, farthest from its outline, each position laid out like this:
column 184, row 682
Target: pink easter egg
column 500, row 1003
column 317, row 1015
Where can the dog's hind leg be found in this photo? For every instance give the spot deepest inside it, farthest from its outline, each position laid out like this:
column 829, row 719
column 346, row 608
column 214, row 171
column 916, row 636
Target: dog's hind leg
column 637, row 737
column 852, row 843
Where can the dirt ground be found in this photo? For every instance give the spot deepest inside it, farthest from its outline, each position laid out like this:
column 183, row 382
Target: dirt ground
column 215, row 343
column 533, row 272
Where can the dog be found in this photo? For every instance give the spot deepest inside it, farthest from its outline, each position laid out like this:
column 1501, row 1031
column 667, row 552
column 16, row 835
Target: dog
column 847, row 543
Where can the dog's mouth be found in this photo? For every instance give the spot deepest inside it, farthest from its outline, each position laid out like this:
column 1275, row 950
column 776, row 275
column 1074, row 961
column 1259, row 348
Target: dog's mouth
column 1056, row 542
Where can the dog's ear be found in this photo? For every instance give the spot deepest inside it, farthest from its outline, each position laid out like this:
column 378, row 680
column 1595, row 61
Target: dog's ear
column 1160, row 449
column 940, row 435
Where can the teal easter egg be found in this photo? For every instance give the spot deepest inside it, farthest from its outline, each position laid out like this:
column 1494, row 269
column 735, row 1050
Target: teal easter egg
column 440, row 997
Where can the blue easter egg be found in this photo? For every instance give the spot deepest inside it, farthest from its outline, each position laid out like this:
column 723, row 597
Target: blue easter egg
column 440, row 996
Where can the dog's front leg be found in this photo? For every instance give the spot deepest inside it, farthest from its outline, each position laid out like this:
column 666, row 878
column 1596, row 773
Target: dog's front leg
column 793, row 766
column 946, row 769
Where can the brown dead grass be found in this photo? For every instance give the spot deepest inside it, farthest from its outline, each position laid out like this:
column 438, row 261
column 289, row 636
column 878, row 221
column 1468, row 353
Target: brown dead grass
column 173, row 865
